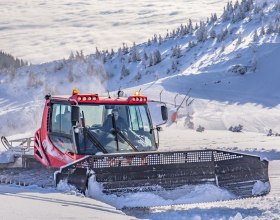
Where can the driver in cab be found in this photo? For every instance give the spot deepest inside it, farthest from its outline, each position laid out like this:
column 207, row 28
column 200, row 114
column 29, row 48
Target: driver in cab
column 120, row 122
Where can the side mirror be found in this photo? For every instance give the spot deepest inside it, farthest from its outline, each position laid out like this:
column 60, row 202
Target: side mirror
column 75, row 113
column 159, row 128
column 164, row 113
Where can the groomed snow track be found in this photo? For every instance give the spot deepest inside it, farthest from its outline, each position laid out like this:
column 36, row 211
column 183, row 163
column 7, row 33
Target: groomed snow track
column 246, row 206
column 42, row 177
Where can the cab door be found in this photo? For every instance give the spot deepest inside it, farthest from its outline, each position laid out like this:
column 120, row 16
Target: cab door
column 60, row 126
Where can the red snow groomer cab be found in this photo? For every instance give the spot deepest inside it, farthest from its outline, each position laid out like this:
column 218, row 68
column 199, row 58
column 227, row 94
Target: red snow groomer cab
column 101, row 118
column 114, row 139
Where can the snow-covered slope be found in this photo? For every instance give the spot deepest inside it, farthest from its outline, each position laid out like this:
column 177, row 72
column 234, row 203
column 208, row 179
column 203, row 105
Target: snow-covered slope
column 230, row 63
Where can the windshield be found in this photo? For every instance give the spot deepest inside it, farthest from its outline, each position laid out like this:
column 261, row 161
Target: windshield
column 116, row 128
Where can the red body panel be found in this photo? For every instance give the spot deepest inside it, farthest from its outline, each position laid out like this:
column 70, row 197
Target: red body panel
column 45, row 151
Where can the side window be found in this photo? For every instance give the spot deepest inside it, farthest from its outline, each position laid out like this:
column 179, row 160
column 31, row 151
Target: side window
column 144, row 118
column 133, row 118
column 56, row 118
column 61, row 119
column 139, row 118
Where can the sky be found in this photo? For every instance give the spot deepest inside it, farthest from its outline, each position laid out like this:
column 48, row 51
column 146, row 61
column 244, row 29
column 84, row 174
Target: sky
column 39, row 31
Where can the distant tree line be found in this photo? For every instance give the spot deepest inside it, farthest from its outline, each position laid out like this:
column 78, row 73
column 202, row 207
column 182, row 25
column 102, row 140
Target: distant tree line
column 8, row 61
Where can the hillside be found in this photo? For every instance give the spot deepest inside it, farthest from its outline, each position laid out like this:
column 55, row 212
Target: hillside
column 230, row 64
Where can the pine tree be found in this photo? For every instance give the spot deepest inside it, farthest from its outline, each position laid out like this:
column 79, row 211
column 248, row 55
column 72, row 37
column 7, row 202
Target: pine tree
column 155, row 39
column 176, row 51
column 174, row 66
column 112, row 52
column 82, row 55
column 213, row 33
column 270, row 28
column 71, row 56
column 77, row 55
column 254, row 64
column 167, row 35
column 151, row 61
column 202, row 32
column 239, row 39
column 124, row 72
column 97, row 53
column 145, row 56
column 125, row 49
column 119, row 52
column 156, row 57
column 262, row 32
column 223, row 48
column 255, row 37
column 213, row 18
column 190, row 27
column 159, row 39
column 135, row 56
column 222, row 35
column 138, row 76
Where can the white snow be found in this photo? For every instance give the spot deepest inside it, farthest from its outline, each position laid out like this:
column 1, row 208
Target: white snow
column 37, row 203
column 186, row 194
column 260, row 187
column 221, row 99
column 7, row 156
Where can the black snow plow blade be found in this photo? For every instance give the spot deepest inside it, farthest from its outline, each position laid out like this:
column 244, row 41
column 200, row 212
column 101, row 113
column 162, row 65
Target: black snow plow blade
column 238, row 173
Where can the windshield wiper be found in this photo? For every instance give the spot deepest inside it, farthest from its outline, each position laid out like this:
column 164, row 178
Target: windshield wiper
column 126, row 140
column 95, row 141
column 117, row 132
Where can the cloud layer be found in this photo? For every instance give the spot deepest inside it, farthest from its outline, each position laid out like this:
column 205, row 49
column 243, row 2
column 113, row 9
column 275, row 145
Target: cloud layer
column 40, row 31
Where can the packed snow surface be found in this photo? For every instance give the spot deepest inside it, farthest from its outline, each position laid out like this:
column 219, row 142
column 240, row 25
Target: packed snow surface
column 7, row 156
column 186, row 194
column 37, row 203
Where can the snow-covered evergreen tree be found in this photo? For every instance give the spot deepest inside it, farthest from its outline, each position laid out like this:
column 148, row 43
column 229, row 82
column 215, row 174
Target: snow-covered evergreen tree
column 145, row 56
column 239, row 39
column 119, row 52
column 156, row 57
column 174, row 66
column 138, row 76
column 176, row 51
column 253, row 64
column 159, row 40
column 112, row 52
column 71, row 56
column 190, row 27
column 151, row 61
column 213, row 33
column 124, row 72
column 134, row 53
column 270, row 28
column 202, row 32
column 155, row 39
column 213, row 18
column 97, row 53
column 222, row 35
column 255, row 36
column 262, row 32
column 125, row 49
